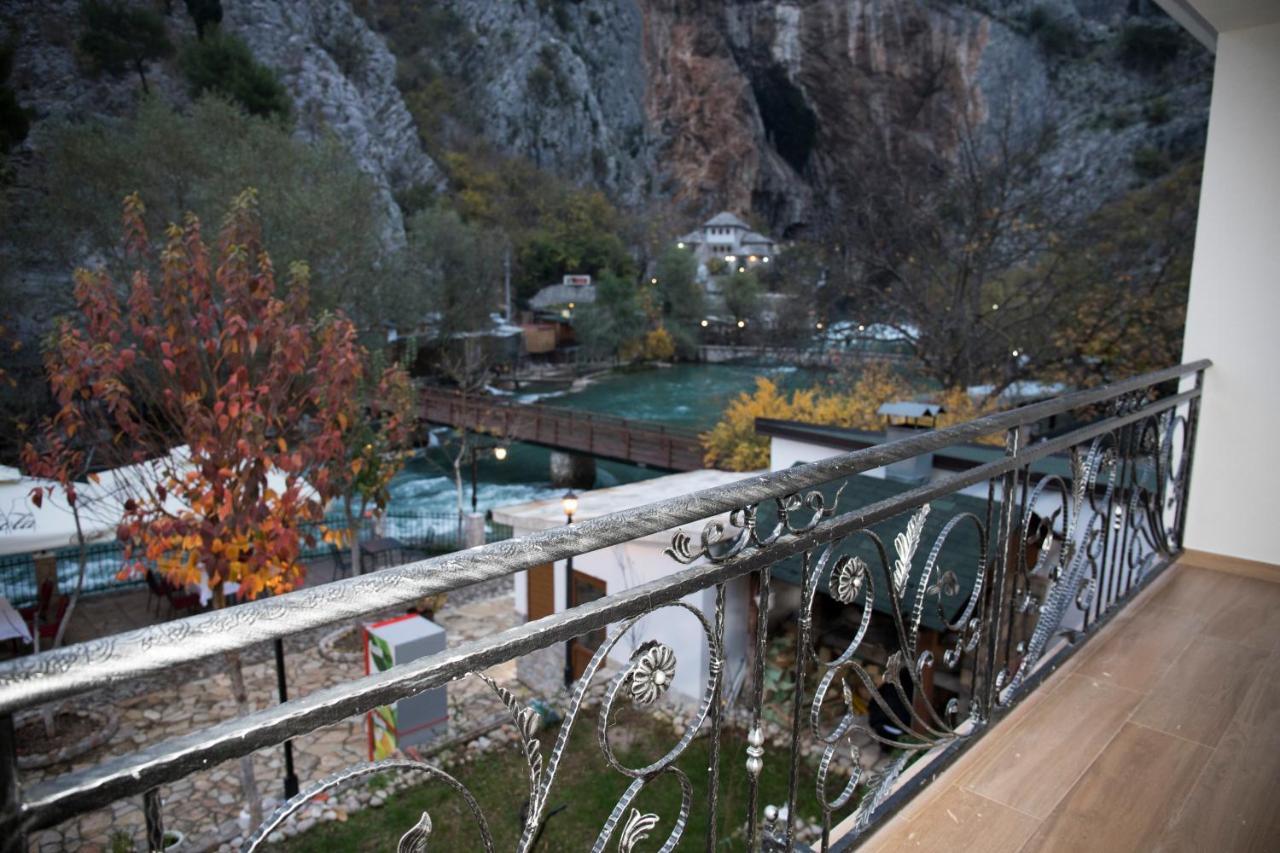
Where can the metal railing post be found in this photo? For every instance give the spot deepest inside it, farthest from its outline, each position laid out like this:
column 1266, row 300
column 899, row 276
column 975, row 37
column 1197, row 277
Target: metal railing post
column 1193, row 421
column 1006, row 539
column 12, row 838
column 151, row 812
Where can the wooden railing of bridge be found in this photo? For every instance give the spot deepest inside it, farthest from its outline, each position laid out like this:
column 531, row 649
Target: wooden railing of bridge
column 634, row 441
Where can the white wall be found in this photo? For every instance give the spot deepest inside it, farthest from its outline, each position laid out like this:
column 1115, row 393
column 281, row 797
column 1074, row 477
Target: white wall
column 1233, row 316
column 625, row 566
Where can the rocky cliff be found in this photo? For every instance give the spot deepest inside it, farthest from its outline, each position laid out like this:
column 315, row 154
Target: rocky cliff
column 761, row 107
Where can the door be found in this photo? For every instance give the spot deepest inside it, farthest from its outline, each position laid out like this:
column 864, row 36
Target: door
column 541, row 598
column 582, row 589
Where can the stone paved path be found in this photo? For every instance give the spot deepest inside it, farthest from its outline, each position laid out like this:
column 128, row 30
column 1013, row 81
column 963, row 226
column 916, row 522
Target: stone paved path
column 205, row 806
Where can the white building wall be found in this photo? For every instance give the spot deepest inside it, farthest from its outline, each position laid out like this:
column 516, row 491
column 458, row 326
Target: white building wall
column 1233, row 315
column 625, row 566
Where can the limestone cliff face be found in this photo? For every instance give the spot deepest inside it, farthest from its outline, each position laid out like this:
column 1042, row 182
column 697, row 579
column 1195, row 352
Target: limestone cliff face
column 342, row 80
column 339, row 74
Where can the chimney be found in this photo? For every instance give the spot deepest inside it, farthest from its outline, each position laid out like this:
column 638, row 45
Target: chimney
column 904, row 419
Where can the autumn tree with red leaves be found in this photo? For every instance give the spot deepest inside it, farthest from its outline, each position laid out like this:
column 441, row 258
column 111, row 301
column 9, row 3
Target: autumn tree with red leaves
column 207, row 351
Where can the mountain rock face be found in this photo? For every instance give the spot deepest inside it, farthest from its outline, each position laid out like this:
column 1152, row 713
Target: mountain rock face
column 341, row 78
column 762, row 107
column 756, row 106
column 339, row 74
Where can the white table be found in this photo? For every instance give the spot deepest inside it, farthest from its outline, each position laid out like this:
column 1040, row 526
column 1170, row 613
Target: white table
column 12, row 625
column 206, row 595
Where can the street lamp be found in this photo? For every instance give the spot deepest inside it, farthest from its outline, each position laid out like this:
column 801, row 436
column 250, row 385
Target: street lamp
column 499, row 453
column 570, row 504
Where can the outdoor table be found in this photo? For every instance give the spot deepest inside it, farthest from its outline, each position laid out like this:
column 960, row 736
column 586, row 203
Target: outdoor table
column 12, row 625
column 381, row 550
column 206, row 594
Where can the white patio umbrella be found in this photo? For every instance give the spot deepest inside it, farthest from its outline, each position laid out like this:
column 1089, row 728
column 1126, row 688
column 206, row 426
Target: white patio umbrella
column 26, row 528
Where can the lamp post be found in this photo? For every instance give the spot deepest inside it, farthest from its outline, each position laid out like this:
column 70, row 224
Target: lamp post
column 570, row 504
column 499, row 453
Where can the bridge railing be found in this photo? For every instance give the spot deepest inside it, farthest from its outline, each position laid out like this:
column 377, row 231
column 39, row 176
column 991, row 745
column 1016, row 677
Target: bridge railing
column 915, row 621
column 645, row 442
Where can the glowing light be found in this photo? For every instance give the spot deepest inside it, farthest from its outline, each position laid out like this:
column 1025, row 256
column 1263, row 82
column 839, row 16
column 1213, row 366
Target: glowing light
column 680, row 245
column 861, row 328
column 1015, row 353
column 704, row 324
column 571, row 306
column 995, row 306
column 819, row 327
column 728, row 259
column 742, row 323
column 751, row 258
column 499, row 453
column 765, row 259
column 653, row 281
column 570, row 504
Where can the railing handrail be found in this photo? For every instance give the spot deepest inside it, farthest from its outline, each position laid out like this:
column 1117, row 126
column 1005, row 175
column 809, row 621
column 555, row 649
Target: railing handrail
column 77, row 669
column 166, row 761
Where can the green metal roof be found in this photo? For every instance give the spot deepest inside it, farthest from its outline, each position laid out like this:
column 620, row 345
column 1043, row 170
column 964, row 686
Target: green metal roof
column 960, row 554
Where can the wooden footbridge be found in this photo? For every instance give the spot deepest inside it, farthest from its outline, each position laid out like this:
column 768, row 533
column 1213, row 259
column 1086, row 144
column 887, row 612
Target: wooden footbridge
column 634, row 441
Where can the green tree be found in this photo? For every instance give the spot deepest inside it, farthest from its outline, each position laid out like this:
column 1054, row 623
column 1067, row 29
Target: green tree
column 454, row 270
column 195, row 161
column 118, row 37
column 612, row 324
column 205, row 14
column 742, row 295
column 223, row 64
column 680, row 297
column 14, row 120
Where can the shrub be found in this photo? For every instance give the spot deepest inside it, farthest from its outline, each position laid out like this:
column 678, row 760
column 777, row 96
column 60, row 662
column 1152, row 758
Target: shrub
column 1147, row 46
column 14, row 120
column 1150, row 162
column 224, row 64
column 1057, row 35
column 118, row 38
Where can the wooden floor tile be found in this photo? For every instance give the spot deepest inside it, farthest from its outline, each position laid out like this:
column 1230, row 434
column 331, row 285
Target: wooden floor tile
column 1127, row 796
column 1233, row 805
column 1198, row 695
column 1249, row 613
column 1191, row 589
column 1141, row 648
column 1038, row 761
column 958, row 821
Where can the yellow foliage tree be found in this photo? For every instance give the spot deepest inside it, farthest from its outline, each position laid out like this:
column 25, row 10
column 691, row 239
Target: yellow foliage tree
column 734, row 445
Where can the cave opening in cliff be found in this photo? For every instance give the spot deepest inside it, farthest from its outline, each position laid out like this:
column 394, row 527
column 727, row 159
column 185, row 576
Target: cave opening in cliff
column 789, row 123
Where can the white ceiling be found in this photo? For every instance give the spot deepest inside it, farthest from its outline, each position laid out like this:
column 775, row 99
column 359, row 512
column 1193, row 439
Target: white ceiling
column 1204, row 19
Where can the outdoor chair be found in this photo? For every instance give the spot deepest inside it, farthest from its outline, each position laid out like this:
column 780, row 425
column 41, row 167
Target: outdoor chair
column 341, row 561
column 41, row 606
column 155, row 589
column 181, row 599
column 49, row 624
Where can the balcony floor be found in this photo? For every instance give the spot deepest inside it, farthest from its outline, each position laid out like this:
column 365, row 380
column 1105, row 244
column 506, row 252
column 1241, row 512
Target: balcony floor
column 1162, row 734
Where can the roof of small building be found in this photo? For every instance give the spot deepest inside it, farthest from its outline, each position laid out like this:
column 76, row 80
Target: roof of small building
column 960, row 554
column 691, row 237
column 543, row 515
column 910, row 409
column 563, row 294
column 755, row 237
column 725, row 218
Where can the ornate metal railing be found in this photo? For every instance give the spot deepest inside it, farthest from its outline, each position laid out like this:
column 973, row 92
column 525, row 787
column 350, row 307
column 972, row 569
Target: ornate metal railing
column 919, row 615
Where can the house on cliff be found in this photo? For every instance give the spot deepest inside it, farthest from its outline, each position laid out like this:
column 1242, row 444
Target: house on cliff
column 726, row 239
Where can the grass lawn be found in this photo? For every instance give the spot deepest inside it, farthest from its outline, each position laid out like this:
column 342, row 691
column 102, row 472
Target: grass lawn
column 585, row 784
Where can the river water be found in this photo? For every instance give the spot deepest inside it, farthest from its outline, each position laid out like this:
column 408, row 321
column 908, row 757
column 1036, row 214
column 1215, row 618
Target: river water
column 687, row 395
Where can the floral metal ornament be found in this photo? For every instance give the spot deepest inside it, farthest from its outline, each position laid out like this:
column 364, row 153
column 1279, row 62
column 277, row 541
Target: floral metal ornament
column 654, row 671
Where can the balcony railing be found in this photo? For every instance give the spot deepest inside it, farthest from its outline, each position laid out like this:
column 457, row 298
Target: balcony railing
column 966, row 591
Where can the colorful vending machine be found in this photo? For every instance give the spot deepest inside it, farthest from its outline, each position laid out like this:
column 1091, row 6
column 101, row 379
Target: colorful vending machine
column 412, row 720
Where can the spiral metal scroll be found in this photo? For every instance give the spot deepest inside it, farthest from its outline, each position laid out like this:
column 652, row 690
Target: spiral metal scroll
column 1115, row 519
column 716, row 548
column 852, row 582
column 413, row 841
column 647, row 676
